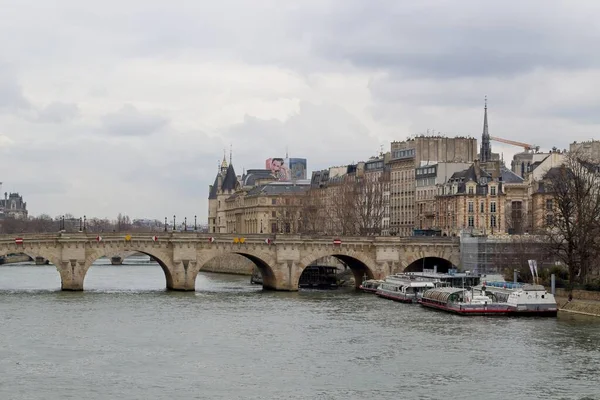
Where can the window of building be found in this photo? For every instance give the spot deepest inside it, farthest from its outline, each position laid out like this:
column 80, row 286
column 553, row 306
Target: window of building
column 470, row 189
column 481, row 207
column 493, row 221
column 287, row 227
column 549, row 220
column 470, row 206
column 493, row 190
column 471, row 221
column 273, row 214
column 274, row 227
column 493, row 206
column 549, row 205
column 273, row 201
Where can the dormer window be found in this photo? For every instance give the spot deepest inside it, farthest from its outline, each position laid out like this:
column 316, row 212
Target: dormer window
column 471, row 189
column 493, row 190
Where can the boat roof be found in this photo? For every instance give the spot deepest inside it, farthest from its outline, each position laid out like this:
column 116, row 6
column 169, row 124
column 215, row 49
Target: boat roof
column 441, row 293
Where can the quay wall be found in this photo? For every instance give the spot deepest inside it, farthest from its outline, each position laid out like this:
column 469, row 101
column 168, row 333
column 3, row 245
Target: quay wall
column 229, row 264
column 584, row 302
column 579, row 294
column 240, row 265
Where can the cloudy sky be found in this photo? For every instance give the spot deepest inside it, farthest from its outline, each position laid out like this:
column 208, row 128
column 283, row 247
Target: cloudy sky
column 126, row 106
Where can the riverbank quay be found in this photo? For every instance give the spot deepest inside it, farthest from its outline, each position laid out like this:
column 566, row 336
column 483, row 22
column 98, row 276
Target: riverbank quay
column 579, row 306
column 584, row 302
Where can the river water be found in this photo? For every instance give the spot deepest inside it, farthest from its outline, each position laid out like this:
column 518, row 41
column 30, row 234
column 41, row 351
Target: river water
column 125, row 337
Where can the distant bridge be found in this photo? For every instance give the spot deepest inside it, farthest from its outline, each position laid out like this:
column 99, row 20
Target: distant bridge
column 280, row 258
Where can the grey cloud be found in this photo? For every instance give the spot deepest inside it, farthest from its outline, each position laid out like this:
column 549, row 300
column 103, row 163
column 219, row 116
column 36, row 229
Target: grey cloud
column 325, row 134
column 129, row 121
column 11, row 94
column 57, row 112
column 448, row 39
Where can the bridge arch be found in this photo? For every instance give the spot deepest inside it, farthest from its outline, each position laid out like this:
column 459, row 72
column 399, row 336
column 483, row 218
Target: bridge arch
column 33, row 253
column 159, row 256
column 261, row 258
column 359, row 263
column 439, row 264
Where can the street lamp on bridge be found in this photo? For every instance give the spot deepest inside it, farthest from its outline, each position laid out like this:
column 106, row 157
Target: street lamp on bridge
column 165, row 224
column 174, row 228
column 195, row 226
column 185, row 224
column 84, row 227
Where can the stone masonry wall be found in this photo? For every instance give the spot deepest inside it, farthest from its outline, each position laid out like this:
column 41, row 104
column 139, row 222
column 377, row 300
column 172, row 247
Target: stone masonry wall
column 229, row 264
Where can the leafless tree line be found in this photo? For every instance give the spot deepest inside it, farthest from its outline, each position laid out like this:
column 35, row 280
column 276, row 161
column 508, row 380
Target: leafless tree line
column 46, row 224
column 572, row 231
column 350, row 206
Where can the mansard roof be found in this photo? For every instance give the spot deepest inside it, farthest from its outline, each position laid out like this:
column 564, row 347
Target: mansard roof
column 510, row 177
column 252, row 175
column 272, row 189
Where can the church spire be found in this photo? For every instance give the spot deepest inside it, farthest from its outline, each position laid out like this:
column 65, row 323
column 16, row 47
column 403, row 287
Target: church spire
column 485, row 153
column 224, row 162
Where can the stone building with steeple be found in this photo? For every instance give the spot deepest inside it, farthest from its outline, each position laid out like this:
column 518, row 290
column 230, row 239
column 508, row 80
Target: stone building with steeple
column 226, row 183
column 489, row 161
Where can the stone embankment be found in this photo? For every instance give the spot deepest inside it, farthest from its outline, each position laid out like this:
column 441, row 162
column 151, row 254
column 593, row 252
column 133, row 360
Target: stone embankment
column 230, row 264
column 584, row 302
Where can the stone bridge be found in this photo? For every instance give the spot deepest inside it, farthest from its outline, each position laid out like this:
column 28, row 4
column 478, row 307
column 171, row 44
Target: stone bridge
column 281, row 258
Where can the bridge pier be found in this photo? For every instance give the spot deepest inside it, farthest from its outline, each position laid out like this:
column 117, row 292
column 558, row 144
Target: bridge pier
column 182, row 276
column 283, row 276
column 72, row 274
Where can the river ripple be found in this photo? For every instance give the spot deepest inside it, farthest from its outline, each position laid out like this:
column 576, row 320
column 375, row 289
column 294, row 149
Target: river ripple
column 127, row 338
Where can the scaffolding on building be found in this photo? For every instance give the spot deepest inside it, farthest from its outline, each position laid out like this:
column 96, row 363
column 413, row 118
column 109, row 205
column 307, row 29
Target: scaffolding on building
column 493, row 254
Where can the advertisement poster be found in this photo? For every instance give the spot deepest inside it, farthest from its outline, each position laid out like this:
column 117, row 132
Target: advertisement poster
column 287, row 169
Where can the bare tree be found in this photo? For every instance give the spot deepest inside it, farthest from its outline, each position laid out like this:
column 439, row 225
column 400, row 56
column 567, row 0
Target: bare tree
column 312, row 212
column 573, row 214
column 371, row 202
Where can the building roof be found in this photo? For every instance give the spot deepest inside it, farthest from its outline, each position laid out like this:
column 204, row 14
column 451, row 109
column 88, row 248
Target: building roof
column 509, row 177
column 278, row 189
column 214, row 189
column 252, row 175
column 230, row 181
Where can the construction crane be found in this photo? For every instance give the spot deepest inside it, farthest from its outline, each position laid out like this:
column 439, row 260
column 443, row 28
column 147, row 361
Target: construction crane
column 526, row 146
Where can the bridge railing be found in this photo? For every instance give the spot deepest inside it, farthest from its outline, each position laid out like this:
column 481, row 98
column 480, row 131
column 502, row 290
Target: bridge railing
column 225, row 237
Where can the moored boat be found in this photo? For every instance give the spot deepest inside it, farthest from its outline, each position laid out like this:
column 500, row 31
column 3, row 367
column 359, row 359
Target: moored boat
column 403, row 290
column 463, row 302
column 370, row 285
column 533, row 300
column 527, row 300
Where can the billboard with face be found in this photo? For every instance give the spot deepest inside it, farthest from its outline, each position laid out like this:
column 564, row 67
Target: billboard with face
column 279, row 168
column 287, row 169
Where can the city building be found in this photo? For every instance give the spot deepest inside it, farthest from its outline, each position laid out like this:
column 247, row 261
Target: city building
column 427, row 179
column 259, row 201
column 376, row 195
column 226, row 183
column 13, row 206
column 268, row 208
column 589, row 149
column 405, row 158
column 522, row 163
column 470, row 201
